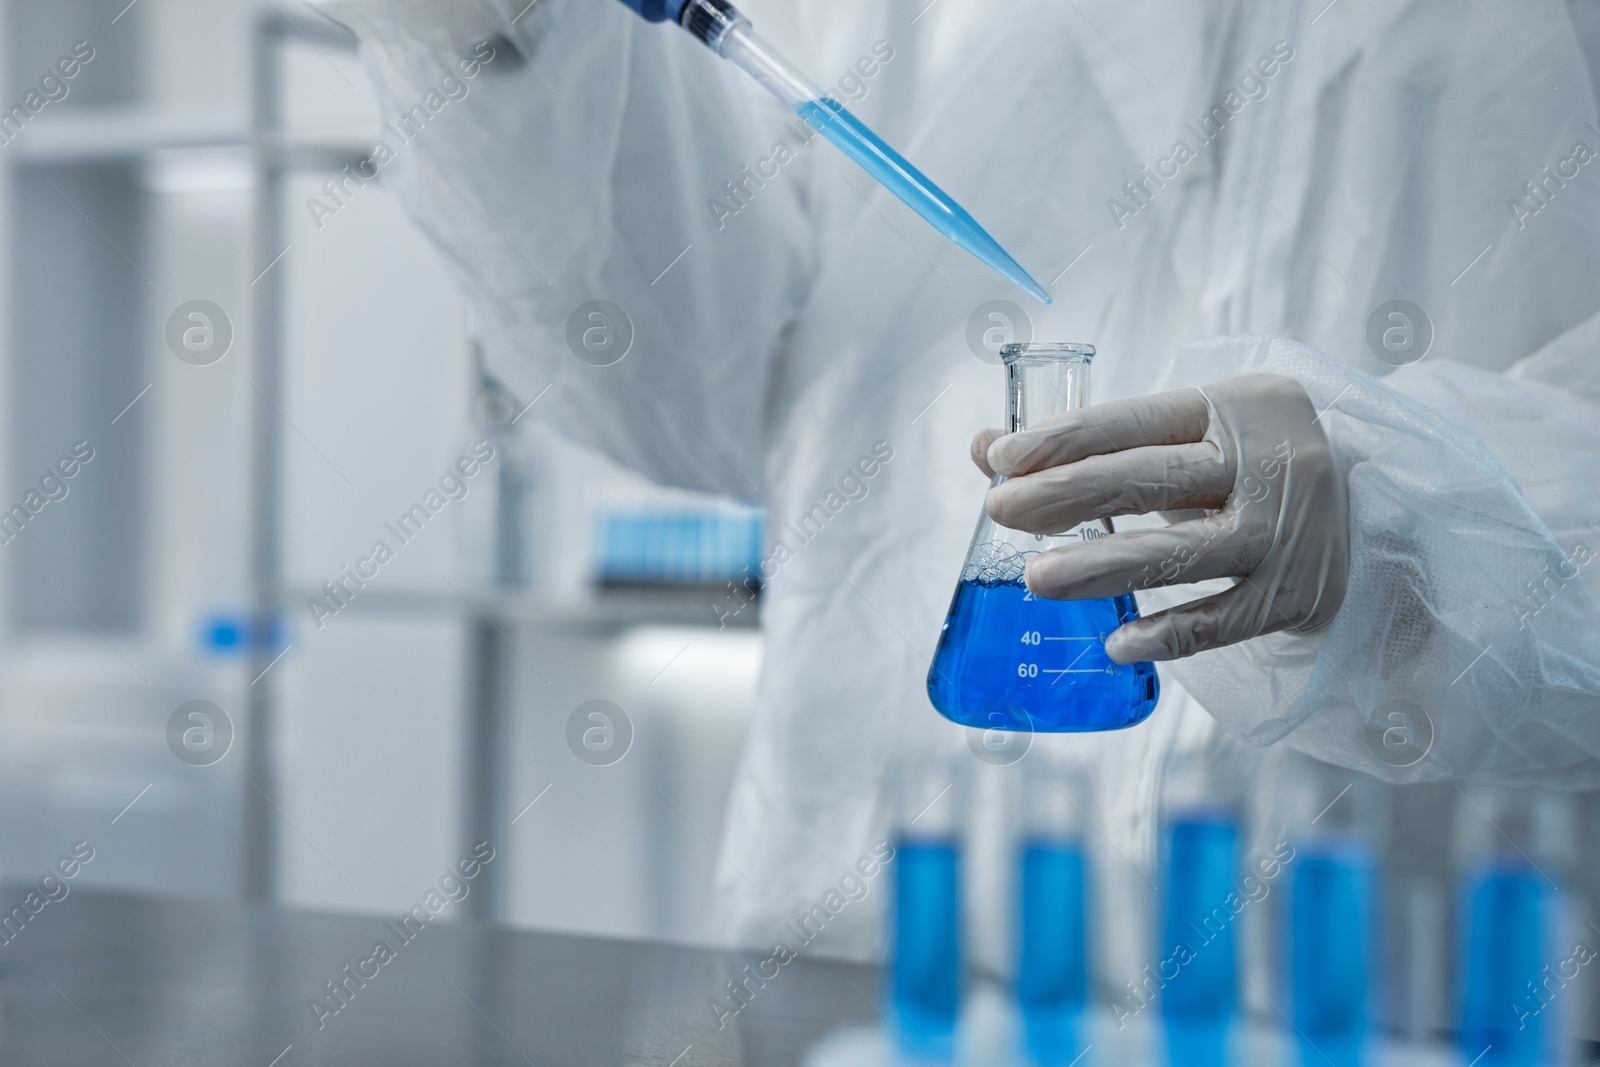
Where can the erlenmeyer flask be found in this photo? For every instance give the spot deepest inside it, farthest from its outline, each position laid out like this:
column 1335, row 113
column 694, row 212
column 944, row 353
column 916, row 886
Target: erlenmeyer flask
column 1009, row 660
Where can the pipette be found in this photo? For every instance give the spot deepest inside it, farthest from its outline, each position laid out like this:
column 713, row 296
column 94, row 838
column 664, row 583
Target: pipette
column 728, row 33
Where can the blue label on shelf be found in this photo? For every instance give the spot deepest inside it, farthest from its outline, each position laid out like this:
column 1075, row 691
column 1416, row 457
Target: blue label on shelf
column 226, row 634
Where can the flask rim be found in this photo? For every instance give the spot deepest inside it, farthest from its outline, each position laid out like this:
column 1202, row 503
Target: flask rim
column 1047, row 352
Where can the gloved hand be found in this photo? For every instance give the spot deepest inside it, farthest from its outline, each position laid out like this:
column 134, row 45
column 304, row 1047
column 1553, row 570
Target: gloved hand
column 1256, row 491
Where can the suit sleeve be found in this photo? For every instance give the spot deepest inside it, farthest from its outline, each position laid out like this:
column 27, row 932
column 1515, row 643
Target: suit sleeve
column 598, row 196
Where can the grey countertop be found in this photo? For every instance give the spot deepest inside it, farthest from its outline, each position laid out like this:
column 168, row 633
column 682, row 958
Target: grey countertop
column 107, row 978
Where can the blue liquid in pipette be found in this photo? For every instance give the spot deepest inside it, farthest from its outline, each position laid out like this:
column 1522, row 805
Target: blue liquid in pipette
column 1506, row 909
column 925, row 967
column 1008, row 660
column 851, row 135
column 1330, row 909
column 1052, row 968
column 1199, row 1001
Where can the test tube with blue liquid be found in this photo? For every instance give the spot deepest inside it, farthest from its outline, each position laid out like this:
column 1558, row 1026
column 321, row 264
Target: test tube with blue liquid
column 1008, row 659
column 1330, row 911
column 1511, row 845
column 924, row 975
column 1202, row 820
column 721, row 27
column 1052, row 983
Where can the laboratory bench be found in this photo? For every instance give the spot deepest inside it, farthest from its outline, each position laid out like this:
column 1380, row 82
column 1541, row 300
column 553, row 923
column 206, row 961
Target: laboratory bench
column 112, row 978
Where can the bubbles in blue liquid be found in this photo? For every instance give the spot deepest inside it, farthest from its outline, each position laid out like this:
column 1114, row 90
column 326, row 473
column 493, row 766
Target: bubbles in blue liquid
column 1052, row 961
column 1009, row 660
column 1330, row 910
column 925, row 968
column 890, row 168
column 1506, row 909
column 1202, row 868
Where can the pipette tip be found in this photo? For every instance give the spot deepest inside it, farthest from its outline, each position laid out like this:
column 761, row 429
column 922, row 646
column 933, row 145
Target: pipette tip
column 998, row 259
column 1033, row 288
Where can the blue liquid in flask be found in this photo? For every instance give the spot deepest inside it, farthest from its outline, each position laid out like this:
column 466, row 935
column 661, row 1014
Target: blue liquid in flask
column 873, row 154
column 1506, row 909
column 1330, row 909
column 1009, row 660
column 925, row 958
column 1052, row 968
column 1199, row 1001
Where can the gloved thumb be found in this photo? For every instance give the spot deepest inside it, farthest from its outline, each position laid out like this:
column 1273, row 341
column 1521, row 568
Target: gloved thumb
column 980, row 449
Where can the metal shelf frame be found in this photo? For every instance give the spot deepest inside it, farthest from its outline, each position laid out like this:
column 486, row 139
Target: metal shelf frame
column 275, row 159
column 277, row 156
column 488, row 611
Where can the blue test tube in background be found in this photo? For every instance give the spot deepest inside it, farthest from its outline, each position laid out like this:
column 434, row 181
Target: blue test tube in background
column 1510, row 844
column 1335, row 819
column 1052, row 950
column 925, row 934
column 1200, row 1000
column 1505, row 904
column 1330, row 949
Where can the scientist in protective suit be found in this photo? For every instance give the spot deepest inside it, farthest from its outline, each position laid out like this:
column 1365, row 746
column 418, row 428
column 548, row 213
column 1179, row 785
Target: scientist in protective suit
column 1342, row 266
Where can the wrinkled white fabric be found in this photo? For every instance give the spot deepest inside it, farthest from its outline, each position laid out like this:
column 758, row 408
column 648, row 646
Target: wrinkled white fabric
column 1244, row 456
column 775, row 348
column 1482, row 632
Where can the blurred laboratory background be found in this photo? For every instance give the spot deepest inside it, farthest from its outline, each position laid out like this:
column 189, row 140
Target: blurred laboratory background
column 327, row 389
column 269, row 373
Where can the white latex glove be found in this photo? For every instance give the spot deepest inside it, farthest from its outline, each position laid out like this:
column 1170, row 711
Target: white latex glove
column 1244, row 457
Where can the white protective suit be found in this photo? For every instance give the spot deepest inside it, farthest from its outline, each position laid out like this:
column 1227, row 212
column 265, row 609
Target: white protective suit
column 1388, row 157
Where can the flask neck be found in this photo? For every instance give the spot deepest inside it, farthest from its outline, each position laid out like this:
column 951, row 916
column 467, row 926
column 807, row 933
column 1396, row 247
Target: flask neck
column 1040, row 386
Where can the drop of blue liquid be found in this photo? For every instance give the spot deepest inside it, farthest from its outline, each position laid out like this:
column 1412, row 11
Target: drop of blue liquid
column 1008, row 660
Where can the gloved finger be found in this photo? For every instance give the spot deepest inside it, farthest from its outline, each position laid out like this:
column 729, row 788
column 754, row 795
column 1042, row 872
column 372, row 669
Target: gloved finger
column 1185, row 514
column 1173, row 418
column 980, row 448
column 1146, row 559
column 1226, row 618
column 1135, row 482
